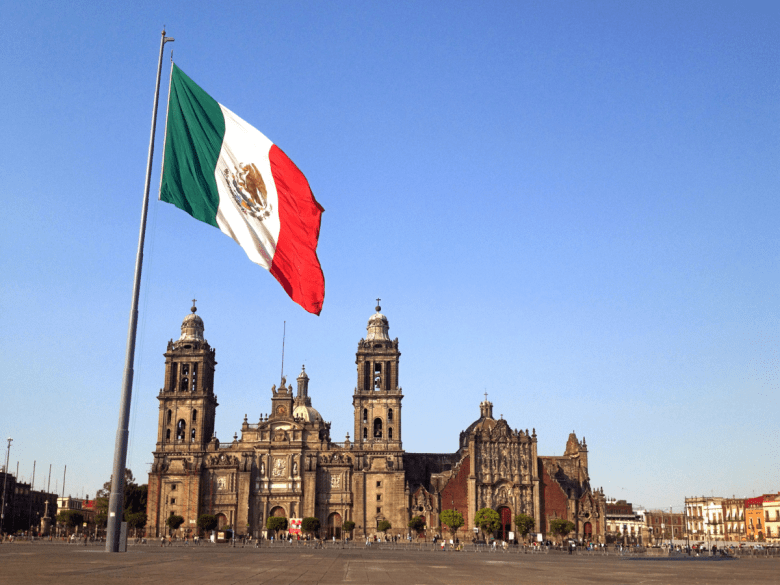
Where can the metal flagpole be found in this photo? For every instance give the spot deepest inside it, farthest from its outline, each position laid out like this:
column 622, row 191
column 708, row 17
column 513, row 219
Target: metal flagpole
column 115, row 501
column 165, row 134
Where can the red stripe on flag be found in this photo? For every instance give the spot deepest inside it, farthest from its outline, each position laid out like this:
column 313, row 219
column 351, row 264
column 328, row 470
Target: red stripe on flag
column 295, row 264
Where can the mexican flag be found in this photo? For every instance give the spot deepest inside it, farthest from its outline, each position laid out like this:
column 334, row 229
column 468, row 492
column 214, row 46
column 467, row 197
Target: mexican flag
column 224, row 172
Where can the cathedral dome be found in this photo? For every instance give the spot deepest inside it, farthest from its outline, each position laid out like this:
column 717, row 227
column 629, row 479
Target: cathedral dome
column 485, row 420
column 192, row 326
column 306, row 413
column 378, row 326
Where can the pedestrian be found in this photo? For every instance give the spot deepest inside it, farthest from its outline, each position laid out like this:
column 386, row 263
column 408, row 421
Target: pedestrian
column 162, row 541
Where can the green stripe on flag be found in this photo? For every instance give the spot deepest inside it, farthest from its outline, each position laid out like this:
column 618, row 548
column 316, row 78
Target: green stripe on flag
column 193, row 141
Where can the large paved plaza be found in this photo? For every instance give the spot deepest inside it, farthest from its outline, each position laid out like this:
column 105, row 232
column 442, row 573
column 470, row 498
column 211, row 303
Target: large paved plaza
column 63, row 564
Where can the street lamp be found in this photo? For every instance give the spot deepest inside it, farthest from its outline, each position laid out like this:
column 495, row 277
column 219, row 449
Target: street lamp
column 5, row 481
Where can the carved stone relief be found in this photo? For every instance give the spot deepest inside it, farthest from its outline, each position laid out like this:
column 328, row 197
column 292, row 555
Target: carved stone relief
column 280, row 467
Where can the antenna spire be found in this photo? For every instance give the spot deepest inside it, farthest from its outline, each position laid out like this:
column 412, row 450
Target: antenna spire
column 284, row 335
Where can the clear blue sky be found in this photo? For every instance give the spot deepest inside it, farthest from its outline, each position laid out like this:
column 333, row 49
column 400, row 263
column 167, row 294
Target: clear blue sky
column 570, row 205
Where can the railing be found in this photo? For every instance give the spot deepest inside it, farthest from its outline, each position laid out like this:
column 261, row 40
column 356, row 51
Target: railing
column 415, row 546
column 343, row 445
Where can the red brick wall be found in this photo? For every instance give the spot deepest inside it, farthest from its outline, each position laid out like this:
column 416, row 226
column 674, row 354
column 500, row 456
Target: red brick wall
column 457, row 491
column 554, row 502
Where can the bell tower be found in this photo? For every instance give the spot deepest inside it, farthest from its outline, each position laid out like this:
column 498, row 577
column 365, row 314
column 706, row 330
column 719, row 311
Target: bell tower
column 187, row 400
column 377, row 398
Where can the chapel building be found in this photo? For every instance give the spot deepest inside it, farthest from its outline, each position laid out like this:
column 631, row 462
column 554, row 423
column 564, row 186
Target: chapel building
column 286, row 464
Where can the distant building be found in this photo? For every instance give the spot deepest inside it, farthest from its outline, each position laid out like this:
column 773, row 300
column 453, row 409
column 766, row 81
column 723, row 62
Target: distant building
column 624, row 525
column 733, row 518
column 755, row 527
column 84, row 506
column 24, row 506
column 663, row 526
column 772, row 517
column 704, row 517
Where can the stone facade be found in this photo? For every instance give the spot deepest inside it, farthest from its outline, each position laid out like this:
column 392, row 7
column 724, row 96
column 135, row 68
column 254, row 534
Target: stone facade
column 24, row 506
column 285, row 464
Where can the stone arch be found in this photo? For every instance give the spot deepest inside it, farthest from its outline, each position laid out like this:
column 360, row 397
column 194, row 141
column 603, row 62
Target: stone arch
column 505, row 517
column 587, row 531
column 221, row 521
column 278, row 512
column 334, row 526
column 377, row 428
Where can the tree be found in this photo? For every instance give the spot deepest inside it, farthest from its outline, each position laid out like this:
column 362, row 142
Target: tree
column 417, row 523
column 137, row 520
column 174, row 521
column 348, row 526
column 135, row 497
column 70, row 518
column 207, row 522
column 561, row 527
column 310, row 525
column 452, row 519
column 277, row 524
column 524, row 524
column 383, row 526
column 487, row 520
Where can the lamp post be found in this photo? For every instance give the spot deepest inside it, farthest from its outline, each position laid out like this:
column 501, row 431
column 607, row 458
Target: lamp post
column 5, row 481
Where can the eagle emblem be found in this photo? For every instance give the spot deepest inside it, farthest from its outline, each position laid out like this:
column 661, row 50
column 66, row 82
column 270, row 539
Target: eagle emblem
column 248, row 190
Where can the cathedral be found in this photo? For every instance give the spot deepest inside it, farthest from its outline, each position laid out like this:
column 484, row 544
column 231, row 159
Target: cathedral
column 286, row 464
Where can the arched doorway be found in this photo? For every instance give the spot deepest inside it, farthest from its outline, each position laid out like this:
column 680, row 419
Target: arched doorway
column 221, row 521
column 505, row 516
column 278, row 512
column 334, row 526
column 587, row 531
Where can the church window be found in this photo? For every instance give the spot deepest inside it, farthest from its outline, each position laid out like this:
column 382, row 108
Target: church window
column 377, row 428
column 180, row 428
column 192, row 435
column 194, row 376
column 170, row 415
column 390, row 415
column 365, row 432
column 389, row 432
column 173, row 501
column 378, row 510
column 387, row 376
column 365, row 415
column 366, row 375
column 379, row 484
column 168, row 435
column 377, row 376
column 194, row 416
column 184, row 384
column 173, row 487
column 379, row 497
column 174, row 375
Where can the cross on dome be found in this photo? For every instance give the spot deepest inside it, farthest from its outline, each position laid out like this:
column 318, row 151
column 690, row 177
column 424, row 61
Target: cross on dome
column 194, row 308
